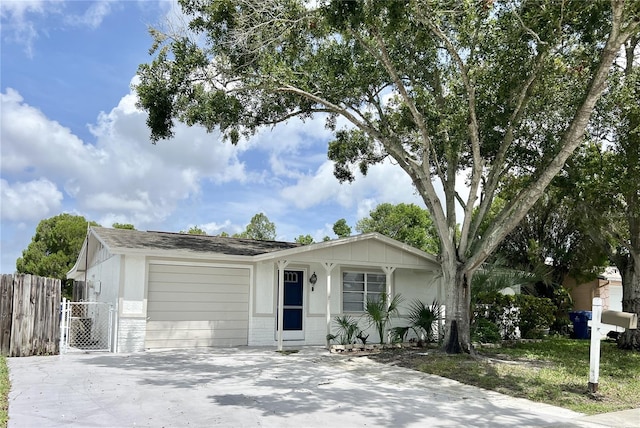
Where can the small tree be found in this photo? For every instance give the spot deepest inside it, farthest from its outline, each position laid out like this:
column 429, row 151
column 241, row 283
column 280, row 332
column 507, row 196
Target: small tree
column 194, row 230
column 54, row 248
column 304, row 239
column 127, row 226
column 406, row 223
column 341, row 228
column 259, row 228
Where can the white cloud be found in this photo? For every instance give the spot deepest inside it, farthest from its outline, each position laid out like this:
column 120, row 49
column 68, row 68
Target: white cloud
column 123, row 174
column 28, row 201
column 93, row 16
column 22, row 24
column 383, row 183
column 17, row 26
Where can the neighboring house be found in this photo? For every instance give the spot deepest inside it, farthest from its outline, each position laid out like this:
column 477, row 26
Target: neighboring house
column 607, row 286
column 183, row 291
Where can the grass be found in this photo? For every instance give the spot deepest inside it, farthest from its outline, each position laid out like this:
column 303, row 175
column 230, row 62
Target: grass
column 554, row 371
column 4, row 392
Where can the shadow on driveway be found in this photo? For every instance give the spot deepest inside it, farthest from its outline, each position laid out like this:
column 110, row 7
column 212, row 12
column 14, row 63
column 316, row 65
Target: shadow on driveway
column 252, row 387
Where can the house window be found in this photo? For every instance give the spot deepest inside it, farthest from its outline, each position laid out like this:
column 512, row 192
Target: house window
column 360, row 287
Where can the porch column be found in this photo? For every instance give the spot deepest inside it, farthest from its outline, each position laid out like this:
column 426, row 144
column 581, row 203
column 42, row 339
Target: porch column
column 282, row 264
column 328, row 267
column 388, row 270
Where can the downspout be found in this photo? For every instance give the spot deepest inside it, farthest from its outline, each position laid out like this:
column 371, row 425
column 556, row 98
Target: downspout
column 86, row 264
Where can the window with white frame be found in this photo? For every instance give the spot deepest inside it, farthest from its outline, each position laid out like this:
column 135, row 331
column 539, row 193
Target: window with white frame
column 360, row 287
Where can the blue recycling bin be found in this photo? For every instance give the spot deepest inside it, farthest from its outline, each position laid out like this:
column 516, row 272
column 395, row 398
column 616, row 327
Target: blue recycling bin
column 580, row 320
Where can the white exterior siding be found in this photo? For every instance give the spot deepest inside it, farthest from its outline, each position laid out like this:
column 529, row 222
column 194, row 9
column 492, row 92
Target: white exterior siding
column 197, row 306
column 131, row 332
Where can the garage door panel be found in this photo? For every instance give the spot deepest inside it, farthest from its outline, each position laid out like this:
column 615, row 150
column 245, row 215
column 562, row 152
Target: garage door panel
column 154, row 308
column 204, row 278
column 194, row 343
column 178, row 297
column 159, row 269
column 198, row 325
column 191, row 292
column 228, row 333
column 194, row 306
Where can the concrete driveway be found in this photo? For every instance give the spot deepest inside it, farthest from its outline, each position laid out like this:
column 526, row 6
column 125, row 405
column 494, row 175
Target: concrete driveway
column 251, row 387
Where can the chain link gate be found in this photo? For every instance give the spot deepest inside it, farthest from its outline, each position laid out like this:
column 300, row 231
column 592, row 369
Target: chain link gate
column 85, row 326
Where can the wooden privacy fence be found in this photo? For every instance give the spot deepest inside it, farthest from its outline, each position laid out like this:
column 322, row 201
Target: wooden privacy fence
column 29, row 315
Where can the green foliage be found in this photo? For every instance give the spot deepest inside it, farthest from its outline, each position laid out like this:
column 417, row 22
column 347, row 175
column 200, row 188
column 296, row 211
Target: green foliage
column 5, row 385
column 194, row 230
column 423, row 319
column 127, row 226
column 55, row 247
column 341, row 228
column 406, row 223
column 347, row 329
column 536, row 314
column 554, row 230
column 379, row 312
column 485, row 331
column 494, row 277
column 553, row 371
column 529, row 313
column 259, row 228
column 304, row 239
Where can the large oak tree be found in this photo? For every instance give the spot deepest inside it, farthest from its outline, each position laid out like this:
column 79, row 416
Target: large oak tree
column 448, row 90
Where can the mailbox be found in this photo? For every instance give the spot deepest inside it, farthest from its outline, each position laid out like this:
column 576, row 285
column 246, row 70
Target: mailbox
column 621, row 319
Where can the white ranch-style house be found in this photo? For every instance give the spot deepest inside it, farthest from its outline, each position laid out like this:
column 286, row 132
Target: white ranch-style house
column 172, row 290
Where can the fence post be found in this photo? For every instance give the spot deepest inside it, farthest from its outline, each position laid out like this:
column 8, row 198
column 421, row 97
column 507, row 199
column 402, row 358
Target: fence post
column 63, row 325
column 6, row 313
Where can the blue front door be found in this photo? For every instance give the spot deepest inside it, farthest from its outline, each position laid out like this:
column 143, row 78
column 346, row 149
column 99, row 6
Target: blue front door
column 293, row 309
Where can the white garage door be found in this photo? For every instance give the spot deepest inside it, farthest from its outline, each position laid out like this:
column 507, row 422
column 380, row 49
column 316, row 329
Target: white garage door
column 197, row 306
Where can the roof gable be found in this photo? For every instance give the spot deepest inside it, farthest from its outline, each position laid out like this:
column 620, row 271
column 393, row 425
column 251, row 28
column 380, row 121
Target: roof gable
column 371, row 248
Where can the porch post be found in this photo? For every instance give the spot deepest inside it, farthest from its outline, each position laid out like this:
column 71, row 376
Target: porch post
column 282, row 264
column 388, row 270
column 328, row 267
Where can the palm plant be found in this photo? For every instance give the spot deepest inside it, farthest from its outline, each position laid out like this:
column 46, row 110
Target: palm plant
column 423, row 318
column 379, row 312
column 347, row 329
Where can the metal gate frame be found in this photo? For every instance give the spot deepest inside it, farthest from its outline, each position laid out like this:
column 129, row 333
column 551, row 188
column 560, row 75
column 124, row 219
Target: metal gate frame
column 85, row 326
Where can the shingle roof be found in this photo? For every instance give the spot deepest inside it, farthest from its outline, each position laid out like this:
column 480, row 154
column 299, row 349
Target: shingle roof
column 122, row 239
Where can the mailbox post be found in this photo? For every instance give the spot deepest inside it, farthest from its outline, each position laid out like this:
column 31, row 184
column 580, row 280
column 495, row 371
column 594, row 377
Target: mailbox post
column 598, row 317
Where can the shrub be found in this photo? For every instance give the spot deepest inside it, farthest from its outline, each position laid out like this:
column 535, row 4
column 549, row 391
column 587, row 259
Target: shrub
column 527, row 313
column 423, row 318
column 536, row 313
column 485, row 331
column 347, row 329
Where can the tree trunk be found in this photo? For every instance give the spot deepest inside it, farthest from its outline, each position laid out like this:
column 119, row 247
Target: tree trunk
column 630, row 273
column 457, row 336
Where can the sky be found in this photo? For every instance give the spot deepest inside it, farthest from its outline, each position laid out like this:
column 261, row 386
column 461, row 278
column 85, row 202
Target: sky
column 73, row 141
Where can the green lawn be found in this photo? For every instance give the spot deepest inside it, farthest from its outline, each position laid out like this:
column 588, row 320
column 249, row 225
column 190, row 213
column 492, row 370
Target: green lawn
column 4, row 392
column 554, row 371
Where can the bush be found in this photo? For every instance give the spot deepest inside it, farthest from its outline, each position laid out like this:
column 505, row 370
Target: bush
column 527, row 313
column 485, row 331
column 536, row 313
